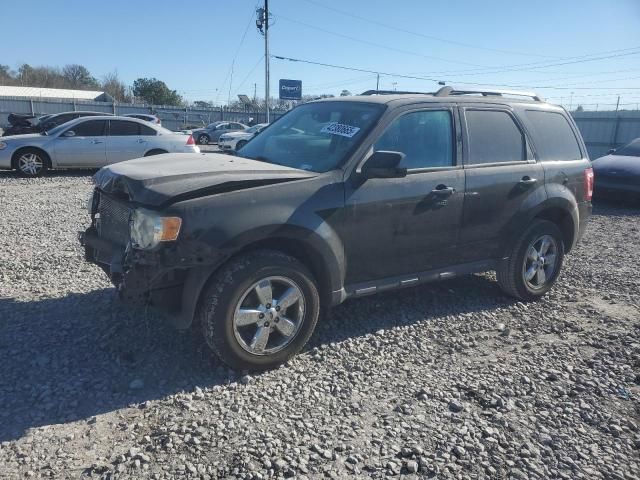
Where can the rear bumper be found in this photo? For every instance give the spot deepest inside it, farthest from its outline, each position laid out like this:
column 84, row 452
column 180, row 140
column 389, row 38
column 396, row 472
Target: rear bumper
column 584, row 212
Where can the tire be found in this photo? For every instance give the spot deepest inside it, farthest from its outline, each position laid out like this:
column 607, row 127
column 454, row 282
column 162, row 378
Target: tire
column 204, row 139
column 31, row 162
column 238, row 339
column 154, row 152
column 240, row 144
column 513, row 274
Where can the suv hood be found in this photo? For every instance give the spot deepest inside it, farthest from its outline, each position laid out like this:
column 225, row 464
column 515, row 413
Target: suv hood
column 161, row 180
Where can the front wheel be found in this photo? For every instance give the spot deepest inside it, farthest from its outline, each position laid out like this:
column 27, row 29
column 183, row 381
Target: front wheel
column 259, row 310
column 31, row 162
column 534, row 263
column 204, row 139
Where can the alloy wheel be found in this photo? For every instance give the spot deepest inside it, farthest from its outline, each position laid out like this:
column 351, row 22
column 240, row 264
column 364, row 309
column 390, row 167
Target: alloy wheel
column 269, row 315
column 30, row 164
column 540, row 262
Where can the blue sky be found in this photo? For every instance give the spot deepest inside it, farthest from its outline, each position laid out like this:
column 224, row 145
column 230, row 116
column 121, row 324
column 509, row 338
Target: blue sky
column 191, row 45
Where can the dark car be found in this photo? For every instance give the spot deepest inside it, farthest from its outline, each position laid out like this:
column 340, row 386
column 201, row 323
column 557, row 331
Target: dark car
column 342, row 198
column 618, row 174
column 24, row 124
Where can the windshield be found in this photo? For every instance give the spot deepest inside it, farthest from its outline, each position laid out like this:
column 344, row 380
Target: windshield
column 631, row 150
column 314, row 136
column 56, row 130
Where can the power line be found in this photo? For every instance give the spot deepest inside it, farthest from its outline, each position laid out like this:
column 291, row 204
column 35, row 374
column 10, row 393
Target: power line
column 430, row 37
column 430, row 79
column 378, row 45
column 249, row 74
column 235, row 55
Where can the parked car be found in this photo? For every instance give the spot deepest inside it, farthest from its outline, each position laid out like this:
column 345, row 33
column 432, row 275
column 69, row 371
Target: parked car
column 342, row 198
column 146, row 117
column 618, row 173
column 236, row 140
column 23, row 124
column 89, row 142
column 211, row 133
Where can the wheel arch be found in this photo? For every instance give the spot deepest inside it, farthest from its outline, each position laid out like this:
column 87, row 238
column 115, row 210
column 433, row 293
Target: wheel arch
column 14, row 156
column 314, row 252
column 560, row 210
column 155, row 151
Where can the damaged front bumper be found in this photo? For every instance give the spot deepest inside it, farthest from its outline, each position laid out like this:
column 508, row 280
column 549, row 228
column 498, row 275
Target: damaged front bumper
column 139, row 276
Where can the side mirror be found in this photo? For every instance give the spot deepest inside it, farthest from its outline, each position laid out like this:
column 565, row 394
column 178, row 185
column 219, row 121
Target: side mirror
column 611, row 150
column 69, row 133
column 384, row 164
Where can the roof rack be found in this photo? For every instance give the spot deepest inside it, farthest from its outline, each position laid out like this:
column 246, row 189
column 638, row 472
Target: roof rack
column 449, row 91
column 393, row 92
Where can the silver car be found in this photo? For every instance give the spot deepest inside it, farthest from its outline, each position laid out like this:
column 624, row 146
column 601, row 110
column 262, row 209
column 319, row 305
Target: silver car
column 90, row 142
column 234, row 141
column 211, row 133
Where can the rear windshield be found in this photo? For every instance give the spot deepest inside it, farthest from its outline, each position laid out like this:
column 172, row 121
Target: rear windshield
column 315, row 136
column 630, row 150
column 553, row 137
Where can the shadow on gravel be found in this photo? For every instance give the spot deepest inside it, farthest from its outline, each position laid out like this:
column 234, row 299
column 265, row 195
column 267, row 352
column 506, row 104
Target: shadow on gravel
column 616, row 207
column 52, row 173
column 71, row 358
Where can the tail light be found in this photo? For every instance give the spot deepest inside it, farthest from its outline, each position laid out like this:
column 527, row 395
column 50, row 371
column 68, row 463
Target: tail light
column 190, row 140
column 588, row 184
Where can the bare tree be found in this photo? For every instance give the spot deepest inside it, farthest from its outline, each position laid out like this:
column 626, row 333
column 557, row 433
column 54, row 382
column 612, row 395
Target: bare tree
column 112, row 85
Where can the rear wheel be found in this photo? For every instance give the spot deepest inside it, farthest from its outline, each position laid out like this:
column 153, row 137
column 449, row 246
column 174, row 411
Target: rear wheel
column 204, row 139
column 31, row 162
column 259, row 310
column 534, row 263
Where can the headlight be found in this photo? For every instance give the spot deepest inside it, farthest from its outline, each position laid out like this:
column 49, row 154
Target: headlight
column 3, row 145
column 148, row 229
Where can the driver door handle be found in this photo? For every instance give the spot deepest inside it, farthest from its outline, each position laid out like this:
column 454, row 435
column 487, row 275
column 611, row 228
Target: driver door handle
column 95, row 142
column 142, row 140
column 443, row 191
column 527, row 181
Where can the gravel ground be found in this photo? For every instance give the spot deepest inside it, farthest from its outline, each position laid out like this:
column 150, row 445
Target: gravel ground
column 448, row 380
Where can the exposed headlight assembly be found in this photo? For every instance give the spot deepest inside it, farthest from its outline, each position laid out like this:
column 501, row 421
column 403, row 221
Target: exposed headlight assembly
column 3, row 145
column 148, row 229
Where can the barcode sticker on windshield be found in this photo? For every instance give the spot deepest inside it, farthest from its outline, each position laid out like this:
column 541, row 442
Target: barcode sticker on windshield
column 335, row 128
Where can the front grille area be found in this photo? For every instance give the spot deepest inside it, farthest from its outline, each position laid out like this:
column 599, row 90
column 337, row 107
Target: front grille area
column 113, row 220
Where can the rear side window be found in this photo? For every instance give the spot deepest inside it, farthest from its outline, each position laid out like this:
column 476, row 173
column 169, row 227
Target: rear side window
column 494, row 137
column 91, row 128
column 121, row 128
column 552, row 136
column 144, row 130
column 426, row 139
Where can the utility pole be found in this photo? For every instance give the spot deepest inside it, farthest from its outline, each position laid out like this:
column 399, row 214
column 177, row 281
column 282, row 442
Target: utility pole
column 618, row 103
column 571, row 102
column 266, row 57
column 394, row 85
column 255, row 88
column 377, row 82
column 231, row 82
column 262, row 22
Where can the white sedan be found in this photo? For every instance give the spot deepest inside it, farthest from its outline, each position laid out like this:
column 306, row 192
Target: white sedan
column 90, row 142
column 234, row 141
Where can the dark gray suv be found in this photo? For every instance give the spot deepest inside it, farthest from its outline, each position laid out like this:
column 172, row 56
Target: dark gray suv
column 342, row 198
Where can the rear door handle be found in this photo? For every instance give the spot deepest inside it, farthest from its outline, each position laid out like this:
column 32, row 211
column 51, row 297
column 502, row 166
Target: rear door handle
column 443, row 191
column 141, row 140
column 527, row 181
column 95, row 142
